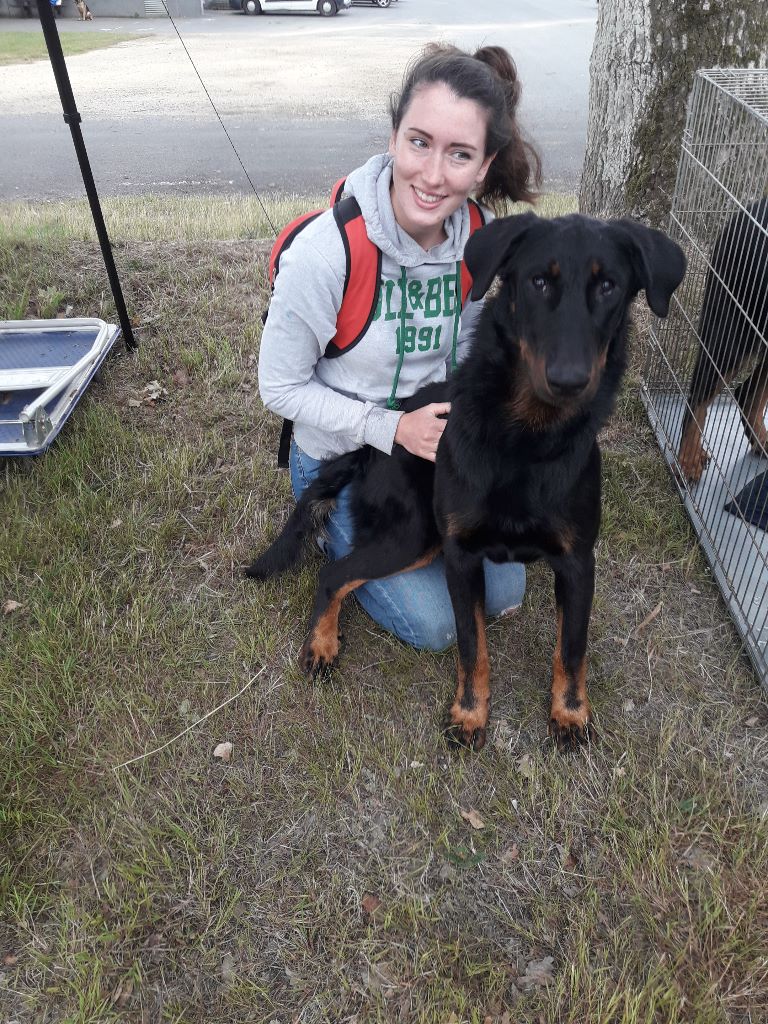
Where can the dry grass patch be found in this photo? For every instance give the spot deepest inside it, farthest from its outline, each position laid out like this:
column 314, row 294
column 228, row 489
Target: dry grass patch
column 326, row 873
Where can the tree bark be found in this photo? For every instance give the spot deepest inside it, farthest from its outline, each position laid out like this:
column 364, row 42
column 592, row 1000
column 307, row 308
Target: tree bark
column 644, row 59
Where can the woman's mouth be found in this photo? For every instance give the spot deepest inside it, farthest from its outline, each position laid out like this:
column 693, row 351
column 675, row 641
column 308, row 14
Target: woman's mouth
column 427, row 199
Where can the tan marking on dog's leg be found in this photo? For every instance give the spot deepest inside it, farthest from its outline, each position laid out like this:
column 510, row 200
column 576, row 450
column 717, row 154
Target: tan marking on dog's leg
column 322, row 646
column 691, row 456
column 470, row 722
column 571, row 713
column 754, row 416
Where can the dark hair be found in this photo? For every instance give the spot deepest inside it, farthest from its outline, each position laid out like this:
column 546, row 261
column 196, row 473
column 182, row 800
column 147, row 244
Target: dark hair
column 489, row 78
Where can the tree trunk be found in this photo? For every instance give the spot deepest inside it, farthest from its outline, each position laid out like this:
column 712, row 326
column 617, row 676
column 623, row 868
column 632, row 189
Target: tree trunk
column 644, row 58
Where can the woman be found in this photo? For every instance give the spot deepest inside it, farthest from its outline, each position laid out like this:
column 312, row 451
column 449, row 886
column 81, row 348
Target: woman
column 454, row 132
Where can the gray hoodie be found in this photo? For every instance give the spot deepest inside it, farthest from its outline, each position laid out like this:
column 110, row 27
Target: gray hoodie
column 340, row 404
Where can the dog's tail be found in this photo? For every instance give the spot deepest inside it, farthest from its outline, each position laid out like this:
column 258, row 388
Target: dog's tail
column 312, row 509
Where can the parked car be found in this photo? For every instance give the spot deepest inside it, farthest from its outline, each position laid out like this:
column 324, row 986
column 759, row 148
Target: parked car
column 324, row 7
column 376, row 3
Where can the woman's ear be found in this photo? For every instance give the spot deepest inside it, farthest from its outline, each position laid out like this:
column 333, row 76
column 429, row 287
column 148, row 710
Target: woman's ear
column 392, row 141
column 484, row 168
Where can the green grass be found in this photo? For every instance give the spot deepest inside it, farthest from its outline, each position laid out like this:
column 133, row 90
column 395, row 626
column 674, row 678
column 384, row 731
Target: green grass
column 23, row 47
column 154, row 218
column 186, row 889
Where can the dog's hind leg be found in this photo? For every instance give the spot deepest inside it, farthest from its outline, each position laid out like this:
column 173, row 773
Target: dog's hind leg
column 468, row 715
column 705, row 384
column 752, row 397
column 571, row 714
column 337, row 579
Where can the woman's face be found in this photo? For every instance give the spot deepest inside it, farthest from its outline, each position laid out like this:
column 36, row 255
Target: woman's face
column 439, row 152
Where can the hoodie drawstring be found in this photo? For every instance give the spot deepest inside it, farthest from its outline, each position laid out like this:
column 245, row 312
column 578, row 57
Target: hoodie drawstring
column 392, row 402
column 456, row 316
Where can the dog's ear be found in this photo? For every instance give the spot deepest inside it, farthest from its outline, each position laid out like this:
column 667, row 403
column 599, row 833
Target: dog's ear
column 490, row 246
column 658, row 262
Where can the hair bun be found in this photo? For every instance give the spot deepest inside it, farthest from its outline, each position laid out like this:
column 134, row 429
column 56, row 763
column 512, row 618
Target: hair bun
column 499, row 60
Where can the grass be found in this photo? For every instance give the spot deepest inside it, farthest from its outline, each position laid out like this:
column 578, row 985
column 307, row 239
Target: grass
column 325, row 873
column 24, row 47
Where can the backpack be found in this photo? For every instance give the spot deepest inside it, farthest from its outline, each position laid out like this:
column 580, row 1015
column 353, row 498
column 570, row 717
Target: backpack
column 361, row 278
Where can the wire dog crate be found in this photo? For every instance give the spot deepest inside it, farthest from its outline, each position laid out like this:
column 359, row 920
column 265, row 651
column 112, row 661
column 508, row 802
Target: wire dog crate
column 705, row 382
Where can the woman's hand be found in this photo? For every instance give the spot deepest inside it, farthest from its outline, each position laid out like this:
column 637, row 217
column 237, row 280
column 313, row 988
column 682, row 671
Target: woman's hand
column 419, row 432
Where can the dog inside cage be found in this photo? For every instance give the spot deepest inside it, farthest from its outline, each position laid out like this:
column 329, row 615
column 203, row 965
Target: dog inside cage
column 732, row 337
column 705, row 381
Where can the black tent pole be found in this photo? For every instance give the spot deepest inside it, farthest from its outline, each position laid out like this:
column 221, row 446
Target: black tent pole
column 72, row 118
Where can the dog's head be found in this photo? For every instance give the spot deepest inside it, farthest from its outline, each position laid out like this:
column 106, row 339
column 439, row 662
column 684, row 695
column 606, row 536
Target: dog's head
column 567, row 284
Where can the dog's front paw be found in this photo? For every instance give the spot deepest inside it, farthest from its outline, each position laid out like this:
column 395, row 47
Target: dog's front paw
column 318, row 656
column 692, row 462
column 466, row 728
column 570, row 732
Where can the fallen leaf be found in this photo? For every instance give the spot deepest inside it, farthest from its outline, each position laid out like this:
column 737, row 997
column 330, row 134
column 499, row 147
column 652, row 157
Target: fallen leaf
column 752, row 721
column 569, row 861
column 649, row 618
column 227, row 967
column 628, row 706
column 115, row 523
column 154, row 391
column 181, row 377
column 9, row 960
column 538, row 974
column 510, row 855
column 370, row 903
column 526, row 767
column 377, row 979
column 224, row 751
column 122, row 993
column 11, row 606
column 472, row 817
column 699, row 859
column 134, row 403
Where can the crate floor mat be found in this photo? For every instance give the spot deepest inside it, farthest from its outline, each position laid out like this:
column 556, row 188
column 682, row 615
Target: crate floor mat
column 45, row 368
column 752, row 502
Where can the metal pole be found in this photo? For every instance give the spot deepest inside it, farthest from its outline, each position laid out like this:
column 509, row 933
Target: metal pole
column 72, row 118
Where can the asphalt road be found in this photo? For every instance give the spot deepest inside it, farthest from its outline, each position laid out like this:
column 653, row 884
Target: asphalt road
column 282, row 146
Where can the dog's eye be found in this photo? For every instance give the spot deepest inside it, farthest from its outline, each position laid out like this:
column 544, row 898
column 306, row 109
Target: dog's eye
column 539, row 282
column 607, row 286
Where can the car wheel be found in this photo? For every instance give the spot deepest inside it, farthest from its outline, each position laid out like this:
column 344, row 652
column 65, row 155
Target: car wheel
column 382, row 3
column 251, row 7
column 327, row 8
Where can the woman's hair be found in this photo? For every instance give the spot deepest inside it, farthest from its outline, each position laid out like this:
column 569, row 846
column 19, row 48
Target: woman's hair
column 489, row 78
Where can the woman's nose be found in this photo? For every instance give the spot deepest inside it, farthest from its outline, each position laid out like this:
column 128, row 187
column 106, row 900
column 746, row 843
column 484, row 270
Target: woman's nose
column 433, row 169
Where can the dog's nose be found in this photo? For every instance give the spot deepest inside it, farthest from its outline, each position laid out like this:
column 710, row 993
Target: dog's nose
column 567, row 381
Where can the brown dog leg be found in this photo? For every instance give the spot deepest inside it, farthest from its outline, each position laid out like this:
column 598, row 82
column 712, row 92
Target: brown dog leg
column 337, row 579
column 468, row 715
column 691, row 457
column 570, row 718
column 752, row 397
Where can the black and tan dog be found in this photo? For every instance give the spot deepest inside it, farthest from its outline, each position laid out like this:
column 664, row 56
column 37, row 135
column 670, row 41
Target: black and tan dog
column 83, row 10
column 732, row 333
column 517, row 475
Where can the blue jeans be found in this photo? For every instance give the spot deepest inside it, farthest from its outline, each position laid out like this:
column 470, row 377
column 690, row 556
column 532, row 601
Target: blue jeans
column 414, row 605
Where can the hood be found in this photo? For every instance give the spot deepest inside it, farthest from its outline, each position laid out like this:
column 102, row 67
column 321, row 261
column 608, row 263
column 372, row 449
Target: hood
column 370, row 185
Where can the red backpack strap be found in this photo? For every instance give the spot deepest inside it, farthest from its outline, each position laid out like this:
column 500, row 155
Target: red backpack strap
column 337, row 190
column 284, row 240
column 476, row 220
column 361, row 280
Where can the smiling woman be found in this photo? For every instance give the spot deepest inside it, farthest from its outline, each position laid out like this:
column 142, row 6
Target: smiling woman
column 454, row 134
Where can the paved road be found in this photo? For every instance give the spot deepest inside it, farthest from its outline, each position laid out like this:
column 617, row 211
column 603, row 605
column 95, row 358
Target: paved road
column 282, row 144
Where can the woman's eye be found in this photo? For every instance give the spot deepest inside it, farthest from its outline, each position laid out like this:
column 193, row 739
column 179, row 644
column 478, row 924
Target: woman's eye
column 606, row 286
column 539, row 282
column 460, row 154
column 419, row 143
